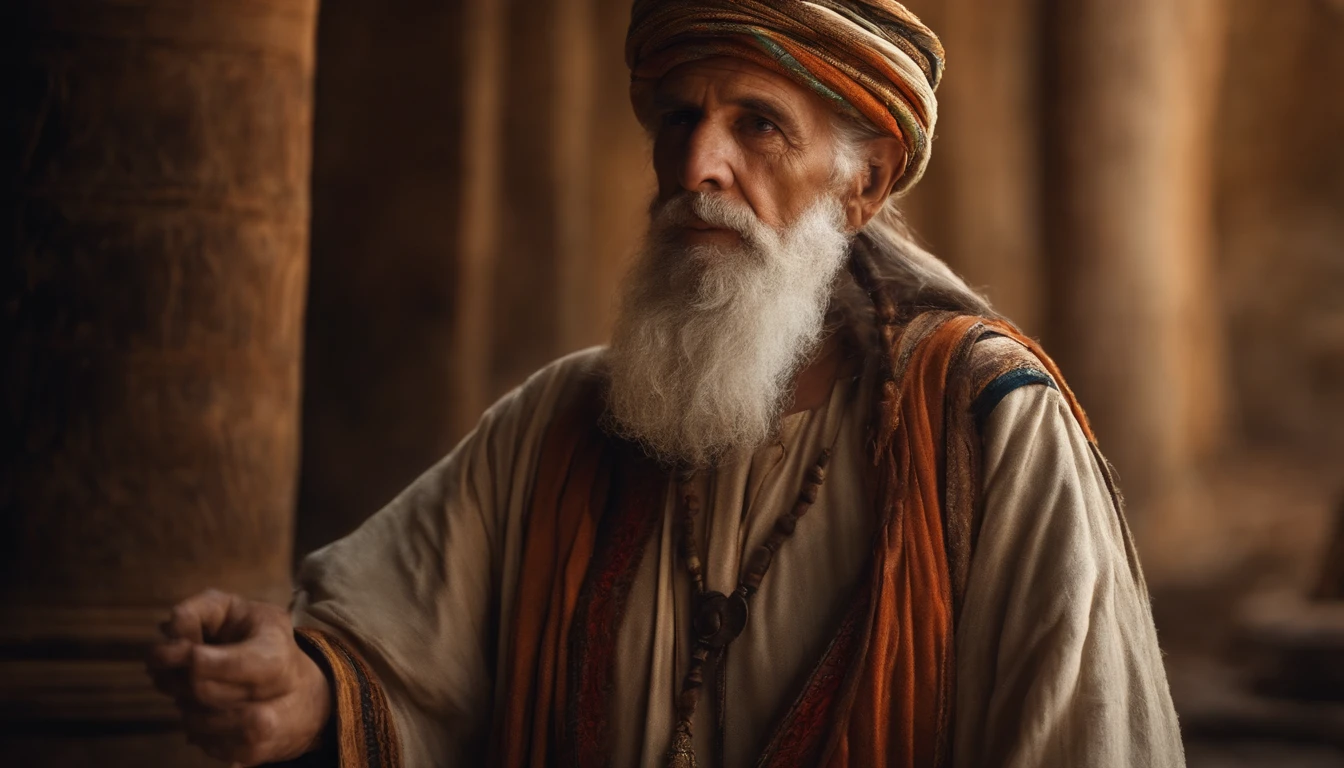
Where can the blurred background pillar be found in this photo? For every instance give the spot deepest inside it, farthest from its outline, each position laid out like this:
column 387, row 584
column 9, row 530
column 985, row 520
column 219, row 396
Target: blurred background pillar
column 382, row 376
column 152, row 290
column 1281, row 216
column 479, row 184
column 576, row 182
column 1132, row 91
column 979, row 204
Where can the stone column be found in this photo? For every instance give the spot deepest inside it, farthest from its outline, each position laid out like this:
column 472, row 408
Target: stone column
column 152, row 291
column 1129, row 141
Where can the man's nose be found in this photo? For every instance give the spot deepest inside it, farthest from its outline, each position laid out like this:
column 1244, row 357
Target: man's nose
column 706, row 165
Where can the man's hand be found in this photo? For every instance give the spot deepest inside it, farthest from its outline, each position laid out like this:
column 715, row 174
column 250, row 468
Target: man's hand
column 247, row 692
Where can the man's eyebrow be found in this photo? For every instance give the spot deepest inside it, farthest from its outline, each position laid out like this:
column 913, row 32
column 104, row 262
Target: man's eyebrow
column 671, row 101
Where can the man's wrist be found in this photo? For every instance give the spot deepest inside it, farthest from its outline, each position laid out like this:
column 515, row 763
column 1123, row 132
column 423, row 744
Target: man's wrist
column 320, row 696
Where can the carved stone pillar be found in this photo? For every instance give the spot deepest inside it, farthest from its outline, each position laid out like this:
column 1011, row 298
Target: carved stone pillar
column 151, row 302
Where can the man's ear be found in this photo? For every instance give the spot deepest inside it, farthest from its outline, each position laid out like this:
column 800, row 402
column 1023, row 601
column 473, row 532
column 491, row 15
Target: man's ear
column 884, row 162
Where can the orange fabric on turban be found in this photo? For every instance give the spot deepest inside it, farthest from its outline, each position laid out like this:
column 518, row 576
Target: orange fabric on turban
column 869, row 58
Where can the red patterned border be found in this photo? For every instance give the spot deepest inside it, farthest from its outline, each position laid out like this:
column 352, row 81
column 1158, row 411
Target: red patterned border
column 801, row 736
column 631, row 514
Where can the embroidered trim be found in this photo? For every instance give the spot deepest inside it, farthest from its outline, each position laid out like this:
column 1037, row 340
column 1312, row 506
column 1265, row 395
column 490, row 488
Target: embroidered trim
column 799, row 738
column 1004, row 385
column 622, row 539
column 365, row 734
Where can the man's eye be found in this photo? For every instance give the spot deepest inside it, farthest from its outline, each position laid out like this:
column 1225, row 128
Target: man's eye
column 761, row 125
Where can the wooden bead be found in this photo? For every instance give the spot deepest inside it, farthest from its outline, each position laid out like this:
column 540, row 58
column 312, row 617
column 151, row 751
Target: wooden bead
column 759, row 562
column 786, row 524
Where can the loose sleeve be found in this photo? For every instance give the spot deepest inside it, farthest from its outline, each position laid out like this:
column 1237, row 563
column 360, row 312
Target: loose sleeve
column 1057, row 656
column 409, row 606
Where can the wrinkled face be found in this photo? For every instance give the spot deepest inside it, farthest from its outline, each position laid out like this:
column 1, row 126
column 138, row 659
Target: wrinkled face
column 728, row 126
column 727, row 301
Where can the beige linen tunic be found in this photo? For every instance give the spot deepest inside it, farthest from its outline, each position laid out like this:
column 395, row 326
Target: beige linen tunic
column 1057, row 658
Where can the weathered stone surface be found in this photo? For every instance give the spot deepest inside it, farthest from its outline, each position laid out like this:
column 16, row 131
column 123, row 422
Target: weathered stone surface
column 151, row 292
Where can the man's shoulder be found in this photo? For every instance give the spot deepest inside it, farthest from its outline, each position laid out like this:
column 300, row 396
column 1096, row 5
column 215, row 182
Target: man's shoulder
column 988, row 358
column 997, row 366
column 585, row 365
column 553, row 387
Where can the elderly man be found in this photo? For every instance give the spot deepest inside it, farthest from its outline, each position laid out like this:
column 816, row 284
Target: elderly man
column 815, row 505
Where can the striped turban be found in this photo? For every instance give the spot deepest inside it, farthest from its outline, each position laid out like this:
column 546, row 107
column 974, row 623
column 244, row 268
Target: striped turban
column 868, row 58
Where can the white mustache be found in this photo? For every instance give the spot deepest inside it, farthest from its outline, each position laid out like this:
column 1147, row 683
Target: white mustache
column 712, row 209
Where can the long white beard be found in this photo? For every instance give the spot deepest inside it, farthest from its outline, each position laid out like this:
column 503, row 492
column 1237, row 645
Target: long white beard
column 708, row 339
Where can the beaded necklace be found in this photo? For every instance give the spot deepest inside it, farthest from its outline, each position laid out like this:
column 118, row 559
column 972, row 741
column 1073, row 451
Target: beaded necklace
column 720, row 618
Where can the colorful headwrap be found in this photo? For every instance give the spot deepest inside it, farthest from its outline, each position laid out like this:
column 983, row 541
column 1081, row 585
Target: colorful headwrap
column 870, row 58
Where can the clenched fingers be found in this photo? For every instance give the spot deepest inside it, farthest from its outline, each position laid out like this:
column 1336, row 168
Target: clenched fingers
column 215, row 675
column 210, row 615
column 174, row 654
column 260, row 665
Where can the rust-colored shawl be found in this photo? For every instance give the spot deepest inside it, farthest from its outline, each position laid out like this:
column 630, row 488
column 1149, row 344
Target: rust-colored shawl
column 897, row 710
